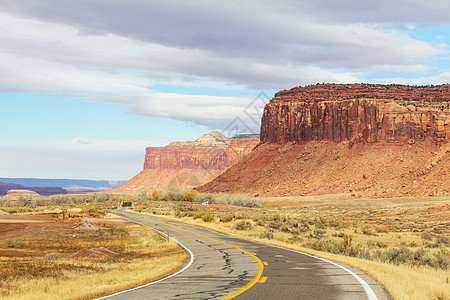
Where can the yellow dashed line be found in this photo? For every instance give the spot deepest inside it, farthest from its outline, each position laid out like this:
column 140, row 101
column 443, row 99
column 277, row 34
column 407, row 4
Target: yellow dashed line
column 260, row 263
column 265, row 263
column 263, row 280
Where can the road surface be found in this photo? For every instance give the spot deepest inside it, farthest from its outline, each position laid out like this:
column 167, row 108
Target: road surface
column 225, row 267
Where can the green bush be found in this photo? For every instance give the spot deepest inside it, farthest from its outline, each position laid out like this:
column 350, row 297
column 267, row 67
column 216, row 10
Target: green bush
column 243, row 225
column 207, row 217
column 13, row 244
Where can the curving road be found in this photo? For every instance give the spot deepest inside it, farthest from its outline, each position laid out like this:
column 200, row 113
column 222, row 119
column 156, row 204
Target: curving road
column 228, row 267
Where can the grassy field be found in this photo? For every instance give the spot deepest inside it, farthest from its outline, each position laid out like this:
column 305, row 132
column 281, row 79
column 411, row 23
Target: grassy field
column 402, row 242
column 50, row 258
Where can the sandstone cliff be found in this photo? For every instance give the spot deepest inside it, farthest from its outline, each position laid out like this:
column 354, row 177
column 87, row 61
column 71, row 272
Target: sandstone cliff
column 357, row 138
column 185, row 165
column 360, row 112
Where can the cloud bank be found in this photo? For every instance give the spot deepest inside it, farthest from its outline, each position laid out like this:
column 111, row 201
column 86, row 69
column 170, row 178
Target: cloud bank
column 115, row 51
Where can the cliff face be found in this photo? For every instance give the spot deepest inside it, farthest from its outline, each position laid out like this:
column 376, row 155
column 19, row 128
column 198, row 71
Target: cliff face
column 185, row 165
column 195, row 158
column 240, row 146
column 369, row 113
column 361, row 139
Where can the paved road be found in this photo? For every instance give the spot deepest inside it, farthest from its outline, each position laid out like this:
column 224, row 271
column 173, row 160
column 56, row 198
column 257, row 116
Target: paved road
column 225, row 267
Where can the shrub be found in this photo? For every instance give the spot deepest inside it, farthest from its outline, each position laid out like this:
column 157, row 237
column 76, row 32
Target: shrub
column 226, row 218
column 243, row 225
column 284, row 228
column 274, row 225
column 198, row 215
column 366, row 229
column 190, row 196
column 13, row 244
column 443, row 240
column 258, row 217
column 261, row 223
column 265, row 235
column 318, row 234
column 347, row 240
column 442, row 259
column 175, row 196
column 207, row 217
column 381, row 229
column 426, row 236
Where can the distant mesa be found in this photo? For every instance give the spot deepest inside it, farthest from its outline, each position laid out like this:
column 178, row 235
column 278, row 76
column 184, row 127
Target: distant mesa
column 361, row 139
column 57, row 186
column 5, row 187
column 185, row 165
column 18, row 198
column 16, row 194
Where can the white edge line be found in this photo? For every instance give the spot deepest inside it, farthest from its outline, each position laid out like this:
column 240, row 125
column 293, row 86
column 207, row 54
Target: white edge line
column 369, row 292
column 162, row 279
column 367, row 289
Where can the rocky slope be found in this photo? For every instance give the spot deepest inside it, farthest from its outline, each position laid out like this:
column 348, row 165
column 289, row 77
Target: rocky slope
column 358, row 138
column 185, row 165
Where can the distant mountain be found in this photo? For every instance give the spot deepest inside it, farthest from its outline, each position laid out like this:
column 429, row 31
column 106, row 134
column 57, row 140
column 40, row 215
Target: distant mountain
column 71, row 185
column 49, row 190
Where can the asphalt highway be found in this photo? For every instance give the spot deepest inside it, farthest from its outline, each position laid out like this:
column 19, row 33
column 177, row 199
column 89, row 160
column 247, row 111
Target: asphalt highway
column 224, row 267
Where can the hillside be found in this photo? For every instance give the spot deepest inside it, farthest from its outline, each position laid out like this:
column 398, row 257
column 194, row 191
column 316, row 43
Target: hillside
column 185, row 165
column 360, row 139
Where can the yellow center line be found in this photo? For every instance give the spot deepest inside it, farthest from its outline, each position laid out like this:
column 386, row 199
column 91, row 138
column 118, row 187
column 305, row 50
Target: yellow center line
column 265, row 263
column 260, row 263
column 263, row 280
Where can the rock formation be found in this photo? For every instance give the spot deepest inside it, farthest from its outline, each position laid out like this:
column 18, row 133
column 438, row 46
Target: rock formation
column 18, row 198
column 361, row 112
column 5, row 187
column 352, row 138
column 185, row 165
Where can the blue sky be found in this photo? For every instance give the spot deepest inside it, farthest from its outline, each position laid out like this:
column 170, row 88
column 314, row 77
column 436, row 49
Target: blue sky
column 85, row 89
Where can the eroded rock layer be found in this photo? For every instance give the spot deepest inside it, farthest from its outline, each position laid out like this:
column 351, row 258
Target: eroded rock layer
column 356, row 138
column 185, row 165
column 359, row 112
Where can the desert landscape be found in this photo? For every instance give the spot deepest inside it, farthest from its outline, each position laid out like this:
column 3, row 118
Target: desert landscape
column 225, row 150
column 354, row 173
column 52, row 254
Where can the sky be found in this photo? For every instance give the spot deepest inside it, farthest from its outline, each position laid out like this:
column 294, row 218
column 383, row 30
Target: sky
column 86, row 85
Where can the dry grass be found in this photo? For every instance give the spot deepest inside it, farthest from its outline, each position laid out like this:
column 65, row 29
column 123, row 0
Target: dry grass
column 401, row 242
column 143, row 256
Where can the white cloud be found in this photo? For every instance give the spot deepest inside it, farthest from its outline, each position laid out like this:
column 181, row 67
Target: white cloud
column 81, row 140
column 115, row 55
